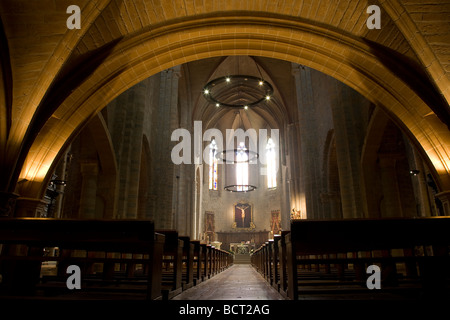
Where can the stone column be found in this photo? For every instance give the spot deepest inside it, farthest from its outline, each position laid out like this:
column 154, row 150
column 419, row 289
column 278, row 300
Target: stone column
column 61, row 173
column 7, row 204
column 294, row 180
column 183, row 215
column 89, row 174
column 285, row 199
column 391, row 194
column 332, row 201
column 349, row 138
column 165, row 121
column 444, row 197
column 198, row 201
column 309, row 150
column 127, row 131
column 134, row 142
column 422, row 192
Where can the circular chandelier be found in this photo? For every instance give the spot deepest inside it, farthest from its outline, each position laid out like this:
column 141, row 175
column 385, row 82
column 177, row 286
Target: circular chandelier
column 229, row 156
column 237, row 91
column 241, row 170
column 240, row 173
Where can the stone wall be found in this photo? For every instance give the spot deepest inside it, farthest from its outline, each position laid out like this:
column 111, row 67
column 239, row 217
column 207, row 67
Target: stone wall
column 335, row 161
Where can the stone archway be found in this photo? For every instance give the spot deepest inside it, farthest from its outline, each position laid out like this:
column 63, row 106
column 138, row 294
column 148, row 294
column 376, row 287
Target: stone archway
column 185, row 35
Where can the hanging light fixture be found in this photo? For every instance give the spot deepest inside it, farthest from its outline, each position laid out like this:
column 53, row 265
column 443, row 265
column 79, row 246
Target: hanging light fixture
column 238, row 91
column 241, row 171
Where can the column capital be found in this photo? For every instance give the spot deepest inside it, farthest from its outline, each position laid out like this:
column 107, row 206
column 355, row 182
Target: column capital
column 296, row 69
column 176, row 71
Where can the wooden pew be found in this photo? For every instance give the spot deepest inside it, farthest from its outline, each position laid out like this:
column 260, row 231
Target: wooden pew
column 188, row 263
column 204, row 262
column 212, row 260
column 103, row 242
column 282, row 257
column 171, row 264
column 197, row 262
column 208, row 262
column 258, row 259
column 270, row 261
column 276, row 262
column 225, row 259
column 268, row 257
column 331, row 257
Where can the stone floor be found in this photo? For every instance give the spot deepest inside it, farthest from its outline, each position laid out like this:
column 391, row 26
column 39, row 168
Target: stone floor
column 240, row 281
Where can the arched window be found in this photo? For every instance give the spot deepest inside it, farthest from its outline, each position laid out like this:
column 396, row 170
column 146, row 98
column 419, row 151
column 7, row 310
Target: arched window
column 242, row 168
column 271, row 164
column 213, row 165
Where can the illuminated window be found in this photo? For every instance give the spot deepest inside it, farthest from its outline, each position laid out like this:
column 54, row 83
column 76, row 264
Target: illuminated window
column 213, row 165
column 242, row 168
column 271, row 164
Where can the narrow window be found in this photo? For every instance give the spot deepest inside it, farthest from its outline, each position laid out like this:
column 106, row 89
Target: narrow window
column 213, row 165
column 271, row 164
column 242, row 168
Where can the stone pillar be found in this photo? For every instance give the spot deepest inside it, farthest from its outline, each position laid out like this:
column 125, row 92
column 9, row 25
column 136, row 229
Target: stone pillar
column 444, row 197
column 127, row 131
column 391, row 203
column 7, row 204
column 135, row 151
column 346, row 110
column 332, row 201
column 61, row 173
column 310, row 151
column 295, row 182
column 165, row 120
column 89, row 174
column 183, row 215
column 198, row 192
column 285, row 199
column 422, row 192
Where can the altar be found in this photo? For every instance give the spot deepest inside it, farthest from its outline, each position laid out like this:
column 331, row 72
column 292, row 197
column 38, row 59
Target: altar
column 242, row 248
column 245, row 240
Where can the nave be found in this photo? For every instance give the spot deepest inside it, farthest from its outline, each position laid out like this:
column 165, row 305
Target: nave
column 239, row 282
column 110, row 151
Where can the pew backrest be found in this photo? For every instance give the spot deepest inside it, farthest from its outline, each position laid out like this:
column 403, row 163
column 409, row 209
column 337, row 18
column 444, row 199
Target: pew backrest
column 118, row 235
column 334, row 236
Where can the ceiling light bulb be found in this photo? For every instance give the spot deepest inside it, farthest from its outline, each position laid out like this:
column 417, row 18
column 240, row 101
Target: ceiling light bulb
column 261, row 82
column 267, row 97
column 245, row 107
column 217, row 105
column 206, row 91
column 227, row 79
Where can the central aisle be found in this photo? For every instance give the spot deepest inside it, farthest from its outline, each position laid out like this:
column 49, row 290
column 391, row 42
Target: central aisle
column 240, row 281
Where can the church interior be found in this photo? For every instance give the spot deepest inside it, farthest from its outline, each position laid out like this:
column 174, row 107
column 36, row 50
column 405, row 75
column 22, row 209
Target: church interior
column 160, row 143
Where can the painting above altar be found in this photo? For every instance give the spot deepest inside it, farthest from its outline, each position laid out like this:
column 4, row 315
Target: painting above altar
column 243, row 216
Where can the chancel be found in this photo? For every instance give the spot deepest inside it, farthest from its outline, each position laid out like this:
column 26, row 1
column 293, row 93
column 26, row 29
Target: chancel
column 184, row 150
